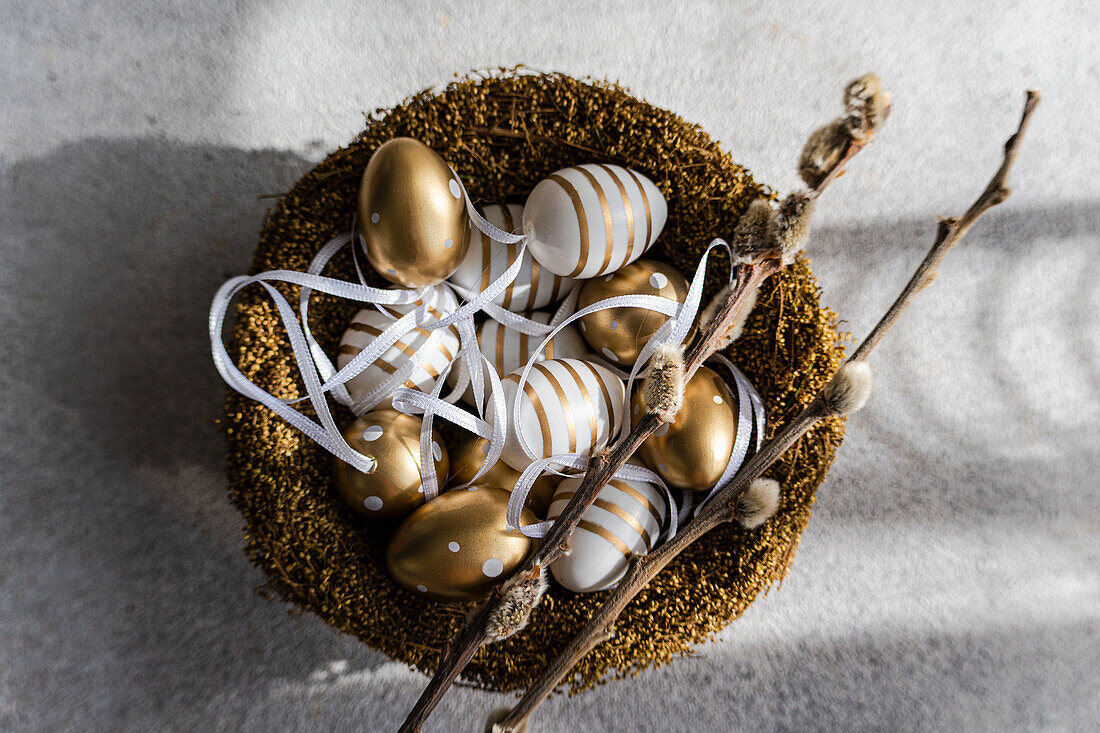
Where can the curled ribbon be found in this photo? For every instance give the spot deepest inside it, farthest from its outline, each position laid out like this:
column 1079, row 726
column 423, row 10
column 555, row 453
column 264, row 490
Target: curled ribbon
column 321, row 376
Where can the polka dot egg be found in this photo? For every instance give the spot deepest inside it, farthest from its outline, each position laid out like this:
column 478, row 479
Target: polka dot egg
column 412, row 214
column 693, row 452
column 620, row 333
column 393, row 488
column 459, row 546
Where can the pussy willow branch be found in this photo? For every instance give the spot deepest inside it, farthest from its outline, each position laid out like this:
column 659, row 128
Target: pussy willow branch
column 461, row 649
column 721, row 508
column 600, row 470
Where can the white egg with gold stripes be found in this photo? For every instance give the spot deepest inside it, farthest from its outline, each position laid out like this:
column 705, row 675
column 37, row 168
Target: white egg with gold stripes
column 486, row 260
column 592, row 219
column 566, row 406
column 370, row 322
column 625, row 520
column 508, row 349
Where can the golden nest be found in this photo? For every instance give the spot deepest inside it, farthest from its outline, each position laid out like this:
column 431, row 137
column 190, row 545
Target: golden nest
column 504, row 132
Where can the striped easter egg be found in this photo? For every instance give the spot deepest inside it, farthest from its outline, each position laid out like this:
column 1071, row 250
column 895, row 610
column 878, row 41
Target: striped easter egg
column 508, row 349
column 567, row 406
column 593, row 219
column 370, row 322
column 486, row 260
column 624, row 520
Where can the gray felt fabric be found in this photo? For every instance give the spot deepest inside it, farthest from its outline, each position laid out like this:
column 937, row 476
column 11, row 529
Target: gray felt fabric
column 949, row 579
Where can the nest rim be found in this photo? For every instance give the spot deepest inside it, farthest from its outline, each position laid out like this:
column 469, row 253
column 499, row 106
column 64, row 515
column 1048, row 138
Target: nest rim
column 320, row 556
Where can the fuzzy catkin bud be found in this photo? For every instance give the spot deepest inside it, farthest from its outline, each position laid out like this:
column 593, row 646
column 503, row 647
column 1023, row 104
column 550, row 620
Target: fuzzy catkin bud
column 849, row 388
column 737, row 327
column 518, row 598
column 791, row 226
column 822, row 151
column 866, row 105
column 752, row 236
column 757, row 503
column 663, row 390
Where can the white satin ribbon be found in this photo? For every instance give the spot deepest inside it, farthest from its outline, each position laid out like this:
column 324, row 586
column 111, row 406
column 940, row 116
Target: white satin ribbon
column 325, row 433
column 320, row 376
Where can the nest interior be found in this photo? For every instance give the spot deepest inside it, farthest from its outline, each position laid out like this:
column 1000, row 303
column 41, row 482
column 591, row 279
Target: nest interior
column 503, row 133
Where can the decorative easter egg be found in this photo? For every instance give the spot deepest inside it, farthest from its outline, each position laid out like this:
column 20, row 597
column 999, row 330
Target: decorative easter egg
column 566, row 406
column 394, row 487
column 692, row 452
column 592, row 219
column 486, row 260
column 624, row 520
column 412, row 214
column 458, row 546
column 508, row 349
column 370, row 322
column 468, row 459
column 620, row 333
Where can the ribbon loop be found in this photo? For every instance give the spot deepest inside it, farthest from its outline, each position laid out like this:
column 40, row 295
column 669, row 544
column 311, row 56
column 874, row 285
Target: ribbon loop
column 472, row 369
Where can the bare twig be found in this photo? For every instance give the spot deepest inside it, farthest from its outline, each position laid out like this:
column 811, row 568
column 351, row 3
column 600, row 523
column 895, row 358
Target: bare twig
column 604, row 464
column 721, row 508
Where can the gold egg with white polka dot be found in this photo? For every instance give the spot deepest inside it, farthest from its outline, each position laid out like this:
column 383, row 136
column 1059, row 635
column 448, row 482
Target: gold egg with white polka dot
column 468, row 459
column 394, row 488
column 620, row 333
column 692, row 452
column 458, row 546
column 412, row 214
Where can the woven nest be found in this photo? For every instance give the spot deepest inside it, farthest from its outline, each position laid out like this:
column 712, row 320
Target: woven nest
column 503, row 133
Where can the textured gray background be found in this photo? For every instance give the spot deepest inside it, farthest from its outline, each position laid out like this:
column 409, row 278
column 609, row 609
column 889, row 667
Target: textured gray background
column 950, row 577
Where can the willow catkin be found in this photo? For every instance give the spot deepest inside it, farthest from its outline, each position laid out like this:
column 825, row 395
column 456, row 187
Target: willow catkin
column 757, row 503
column 663, row 389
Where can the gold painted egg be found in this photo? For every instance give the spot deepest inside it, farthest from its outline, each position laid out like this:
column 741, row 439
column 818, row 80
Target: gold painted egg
column 468, row 459
column 412, row 214
column 458, row 547
column 620, row 333
column 394, row 488
column 692, row 452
